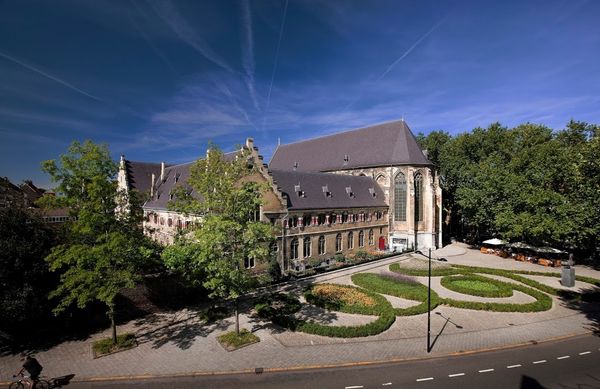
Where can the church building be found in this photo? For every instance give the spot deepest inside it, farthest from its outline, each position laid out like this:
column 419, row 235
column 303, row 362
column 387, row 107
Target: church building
column 370, row 189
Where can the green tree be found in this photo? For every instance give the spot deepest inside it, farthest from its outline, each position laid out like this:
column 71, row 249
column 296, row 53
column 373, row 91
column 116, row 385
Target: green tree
column 230, row 237
column 25, row 279
column 105, row 249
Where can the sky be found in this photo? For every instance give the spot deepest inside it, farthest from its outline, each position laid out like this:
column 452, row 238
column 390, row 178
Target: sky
column 158, row 80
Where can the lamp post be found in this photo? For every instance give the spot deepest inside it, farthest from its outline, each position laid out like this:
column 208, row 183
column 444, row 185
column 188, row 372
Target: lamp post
column 429, row 306
column 415, row 218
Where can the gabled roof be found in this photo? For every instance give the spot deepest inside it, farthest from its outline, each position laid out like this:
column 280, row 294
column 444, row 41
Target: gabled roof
column 175, row 175
column 384, row 144
column 139, row 174
column 362, row 191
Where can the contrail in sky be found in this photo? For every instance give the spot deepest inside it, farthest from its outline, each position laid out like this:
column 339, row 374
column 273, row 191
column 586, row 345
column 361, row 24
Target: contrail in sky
column 49, row 76
column 248, row 52
column 407, row 52
column 276, row 60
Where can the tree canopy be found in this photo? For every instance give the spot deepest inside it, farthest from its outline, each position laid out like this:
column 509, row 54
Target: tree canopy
column 229, row 240
column 105, row 249
column 527, row 183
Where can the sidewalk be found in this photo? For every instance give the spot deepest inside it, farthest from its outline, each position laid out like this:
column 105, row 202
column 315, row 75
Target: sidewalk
column 179, row 343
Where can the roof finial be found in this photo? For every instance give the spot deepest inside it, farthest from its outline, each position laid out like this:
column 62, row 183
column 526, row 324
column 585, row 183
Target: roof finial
column 278, row 141
column 402, row 117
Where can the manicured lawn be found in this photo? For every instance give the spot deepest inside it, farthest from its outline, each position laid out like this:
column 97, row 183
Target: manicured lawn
column 475, row 285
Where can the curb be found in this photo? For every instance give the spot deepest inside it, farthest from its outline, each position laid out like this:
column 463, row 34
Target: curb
column 327, row 366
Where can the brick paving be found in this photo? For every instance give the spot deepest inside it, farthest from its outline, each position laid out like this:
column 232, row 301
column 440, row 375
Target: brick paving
column 181, row 343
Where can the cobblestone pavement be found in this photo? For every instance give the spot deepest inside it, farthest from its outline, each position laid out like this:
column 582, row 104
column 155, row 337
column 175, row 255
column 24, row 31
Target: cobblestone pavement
column 181, row 343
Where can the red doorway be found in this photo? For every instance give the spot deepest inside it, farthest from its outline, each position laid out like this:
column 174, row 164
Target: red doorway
column 381, row 243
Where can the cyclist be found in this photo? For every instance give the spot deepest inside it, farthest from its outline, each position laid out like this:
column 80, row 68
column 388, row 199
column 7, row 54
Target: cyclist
column 33, row 367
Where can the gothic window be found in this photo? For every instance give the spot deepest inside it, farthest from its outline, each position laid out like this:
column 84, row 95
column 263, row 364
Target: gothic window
column 371, row 240
column 419, row 196
column 321, row 245
column 350, row 240
column 338, row 243
column 307, row 247
column 361, row 239
column 294, row 249
column 400, row 197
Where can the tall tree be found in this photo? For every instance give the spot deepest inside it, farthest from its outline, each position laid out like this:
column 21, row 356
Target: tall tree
column 230, row 238
column 105, row 249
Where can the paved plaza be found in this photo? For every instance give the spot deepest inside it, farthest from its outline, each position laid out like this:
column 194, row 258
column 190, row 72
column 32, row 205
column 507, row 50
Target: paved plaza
column 179, row 343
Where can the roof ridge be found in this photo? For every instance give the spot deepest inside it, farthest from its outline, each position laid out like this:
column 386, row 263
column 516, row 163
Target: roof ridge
column 341, row 132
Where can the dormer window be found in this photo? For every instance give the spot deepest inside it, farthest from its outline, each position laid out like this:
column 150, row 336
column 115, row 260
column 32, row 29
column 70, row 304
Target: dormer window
column 295, row 166
column 177, row 177
column 170, row 196
column 372, row 192
column 346, row 159
column 349, row 192
column 299, row 191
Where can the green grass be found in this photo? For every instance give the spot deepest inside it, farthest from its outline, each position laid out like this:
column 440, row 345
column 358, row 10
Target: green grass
column 233, row 341
column 445, row 271
column 106, row 345
column 476, row 285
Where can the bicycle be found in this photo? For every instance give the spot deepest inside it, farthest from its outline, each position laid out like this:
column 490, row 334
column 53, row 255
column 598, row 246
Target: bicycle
column 26, row 382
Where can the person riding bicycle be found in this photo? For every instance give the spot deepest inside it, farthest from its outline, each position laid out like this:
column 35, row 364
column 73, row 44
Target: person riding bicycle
column 33, row 367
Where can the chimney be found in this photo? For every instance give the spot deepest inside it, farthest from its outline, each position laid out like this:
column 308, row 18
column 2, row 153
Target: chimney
column 152, row 186
column 162, row 171
column 249, row 143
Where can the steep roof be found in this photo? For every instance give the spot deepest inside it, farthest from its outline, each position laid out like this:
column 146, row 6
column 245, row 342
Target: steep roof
column 383, row 144
column 364, row 190
column 175, row 175
column 139, row 174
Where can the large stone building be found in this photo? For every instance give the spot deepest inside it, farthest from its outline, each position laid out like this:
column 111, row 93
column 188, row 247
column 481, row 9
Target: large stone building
column 340, row 194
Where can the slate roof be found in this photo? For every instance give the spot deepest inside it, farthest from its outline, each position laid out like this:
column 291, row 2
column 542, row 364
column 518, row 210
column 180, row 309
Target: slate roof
column 175, row 175
column 311, row 184
column 139, row 174
column 383, row 144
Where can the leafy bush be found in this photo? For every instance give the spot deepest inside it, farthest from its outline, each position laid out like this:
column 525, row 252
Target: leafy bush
column 383, row 322
column 475, row 285
column 233, row 341
column 106, row 345
column 277, row 304
column 340, row 258
column 361, row 255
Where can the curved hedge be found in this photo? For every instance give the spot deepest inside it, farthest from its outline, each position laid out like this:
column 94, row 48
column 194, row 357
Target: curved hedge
column 476, row 285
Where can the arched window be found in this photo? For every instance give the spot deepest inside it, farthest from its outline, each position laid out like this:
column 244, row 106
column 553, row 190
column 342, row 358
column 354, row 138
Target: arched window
column 294, row 249
column 419, row 196
column 306, row 247
column 361, row 239
column 400, row 197
column 338, row 243
column 170, row 222
column 321, row 245
column 249, row 262
column 371, row 240
column 350, row 240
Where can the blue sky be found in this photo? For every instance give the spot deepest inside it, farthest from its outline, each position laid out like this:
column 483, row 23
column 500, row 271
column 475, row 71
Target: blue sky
column 157, row 80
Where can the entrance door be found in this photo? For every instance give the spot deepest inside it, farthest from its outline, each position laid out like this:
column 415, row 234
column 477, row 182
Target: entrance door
column 381, row 243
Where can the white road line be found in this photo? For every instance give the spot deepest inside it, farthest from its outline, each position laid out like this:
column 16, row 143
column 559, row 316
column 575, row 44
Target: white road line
column 585, row 353
column 386, row 384
column 486, row 370
column 513, row 366
column 542, row 361
column 564, row 357
column 456, row 375
column 354, row 387
column 424, row 379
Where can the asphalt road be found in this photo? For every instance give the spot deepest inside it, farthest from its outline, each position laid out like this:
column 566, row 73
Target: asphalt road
column 570, row 363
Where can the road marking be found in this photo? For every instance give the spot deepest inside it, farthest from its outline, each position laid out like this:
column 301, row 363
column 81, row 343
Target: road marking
column 386, row 384
column 456, row 375
column 564, row 357
column 542, row 361
column 486, row 370
column 354, row 387
column 585, row 353
column 513, row 366
column 424, row 379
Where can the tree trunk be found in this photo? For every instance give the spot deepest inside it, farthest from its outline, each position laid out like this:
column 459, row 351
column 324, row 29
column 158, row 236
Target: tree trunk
column 237, row 317
column 111, row 314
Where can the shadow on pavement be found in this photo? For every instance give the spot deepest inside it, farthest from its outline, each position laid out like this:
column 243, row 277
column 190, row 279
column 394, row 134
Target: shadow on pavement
column 530, row 383
column 589, row 305
column 59, row 382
